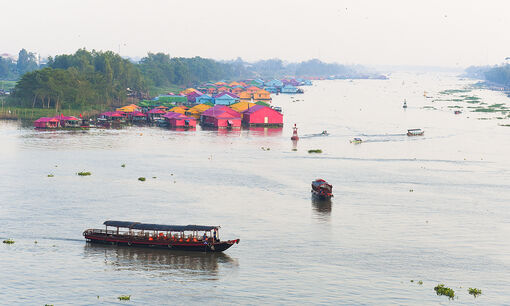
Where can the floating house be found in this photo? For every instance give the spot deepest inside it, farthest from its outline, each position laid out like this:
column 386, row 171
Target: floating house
column 246, row 96
column 240, row 107
column 252, row 89
column 204, row 99
column 178, row 109
column 262, row 95
column 271, row 89
column 291, row 89
column 155, row 113
column 237, row 90
column 273, row 83
column 47, row 123
column 137, row 116
column 197, row 110
column 128, row 108
column 221, row 116
column 112, row 116
column 69, row 121
column 192, row 96
column 182, row 121
column 260, row 115
column 225, row 98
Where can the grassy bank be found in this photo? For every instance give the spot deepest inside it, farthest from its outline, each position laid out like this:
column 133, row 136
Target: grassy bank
column 14, row 113
column 156, row 91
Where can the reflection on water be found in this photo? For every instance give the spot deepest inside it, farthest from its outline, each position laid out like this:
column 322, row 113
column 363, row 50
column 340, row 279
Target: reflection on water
column 322, row 207
column 265, row 131
column 146, row 259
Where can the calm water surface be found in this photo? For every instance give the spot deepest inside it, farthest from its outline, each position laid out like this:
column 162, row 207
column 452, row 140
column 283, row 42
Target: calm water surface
column 364, row 247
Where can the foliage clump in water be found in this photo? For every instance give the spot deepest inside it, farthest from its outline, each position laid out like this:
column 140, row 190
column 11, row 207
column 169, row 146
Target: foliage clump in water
column 50, row 175
column 442, row 290
column 474, row 291
column 83, row 173
column 315, row 151
column 141, row 179
column 8, row 241
column 124, row 298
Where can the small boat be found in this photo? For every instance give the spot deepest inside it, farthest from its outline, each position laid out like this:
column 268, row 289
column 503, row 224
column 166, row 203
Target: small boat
column 356, row 140
column 405, row 104
column 457, row 112
column 173, row 237
column 325, row 133
column 415, row 132
column 321, row 189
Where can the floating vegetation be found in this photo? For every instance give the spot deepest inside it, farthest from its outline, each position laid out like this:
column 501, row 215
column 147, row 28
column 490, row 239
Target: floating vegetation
column 442, row 290
column 315, row 151
column 265, row 149
column 453, row 91
column 411, row 190
column 505, row 125
column 50, row 175
column 474, row 291
column 294, row 149
column 412, row 281
column 429, row 107
column 420, row 283
column 83, row 173
column 123, row 165
column 8, row 241
column 154, row 177
column 124, row 298
column 141, row 179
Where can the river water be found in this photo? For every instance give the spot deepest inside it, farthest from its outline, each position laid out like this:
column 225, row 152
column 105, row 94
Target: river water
column 431, row 209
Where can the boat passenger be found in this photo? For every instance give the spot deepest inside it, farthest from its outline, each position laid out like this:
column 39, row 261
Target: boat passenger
column 205, row 237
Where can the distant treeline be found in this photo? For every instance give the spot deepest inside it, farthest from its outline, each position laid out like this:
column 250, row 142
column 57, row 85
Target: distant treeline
column 495, row 74
column 10, row 70
column 96, row 79
column 84, row 79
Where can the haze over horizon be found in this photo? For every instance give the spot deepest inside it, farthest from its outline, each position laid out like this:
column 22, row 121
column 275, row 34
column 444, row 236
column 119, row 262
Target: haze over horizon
column 436, row 33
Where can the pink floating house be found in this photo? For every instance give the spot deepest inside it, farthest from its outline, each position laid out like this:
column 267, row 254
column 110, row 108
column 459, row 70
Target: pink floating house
column 260, row 115
column 68, row 121
column 47, row 123
column 182, row 121
column 221, row 116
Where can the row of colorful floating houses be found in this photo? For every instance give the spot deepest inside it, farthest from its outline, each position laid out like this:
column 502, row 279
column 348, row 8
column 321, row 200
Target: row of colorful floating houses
column 220, row 105
column 218, row 116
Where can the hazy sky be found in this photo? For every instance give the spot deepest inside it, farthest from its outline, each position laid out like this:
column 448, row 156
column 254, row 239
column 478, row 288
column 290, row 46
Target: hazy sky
column 446, row 33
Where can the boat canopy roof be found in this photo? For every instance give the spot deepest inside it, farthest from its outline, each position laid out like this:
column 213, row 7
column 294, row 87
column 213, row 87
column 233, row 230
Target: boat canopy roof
column 159, row 227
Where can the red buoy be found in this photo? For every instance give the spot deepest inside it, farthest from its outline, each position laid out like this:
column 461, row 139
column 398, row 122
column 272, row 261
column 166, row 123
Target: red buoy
column 294, row 133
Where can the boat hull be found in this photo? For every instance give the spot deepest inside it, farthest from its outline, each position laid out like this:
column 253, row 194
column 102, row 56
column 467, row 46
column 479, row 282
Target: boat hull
column 198, row 246
column 321, row 196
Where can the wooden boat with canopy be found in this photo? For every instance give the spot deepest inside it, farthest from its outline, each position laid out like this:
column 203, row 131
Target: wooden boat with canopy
column 200, row 238
column 321, row 189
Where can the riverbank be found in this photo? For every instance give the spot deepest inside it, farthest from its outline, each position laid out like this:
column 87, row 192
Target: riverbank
column 20, row 113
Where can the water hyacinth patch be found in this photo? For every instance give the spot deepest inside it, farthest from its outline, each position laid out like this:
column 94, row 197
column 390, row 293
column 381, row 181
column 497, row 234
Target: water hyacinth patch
column 442, row 290
column 141, row 179
column 315, row 151
column 83, row 173
column 474, row 291
column 8, row 241
column 124, row 298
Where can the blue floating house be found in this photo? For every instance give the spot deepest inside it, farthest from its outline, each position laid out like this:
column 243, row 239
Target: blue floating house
column 204, row 99
column 291, row 89
column 226, row 98
column 273, row 83
column 271, row 89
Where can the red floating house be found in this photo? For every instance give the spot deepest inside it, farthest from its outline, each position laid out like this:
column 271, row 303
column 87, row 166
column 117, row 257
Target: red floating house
column 260, row 115
column 221, row 116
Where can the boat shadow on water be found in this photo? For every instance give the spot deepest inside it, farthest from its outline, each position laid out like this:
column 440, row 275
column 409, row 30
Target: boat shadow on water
column 138, row 258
